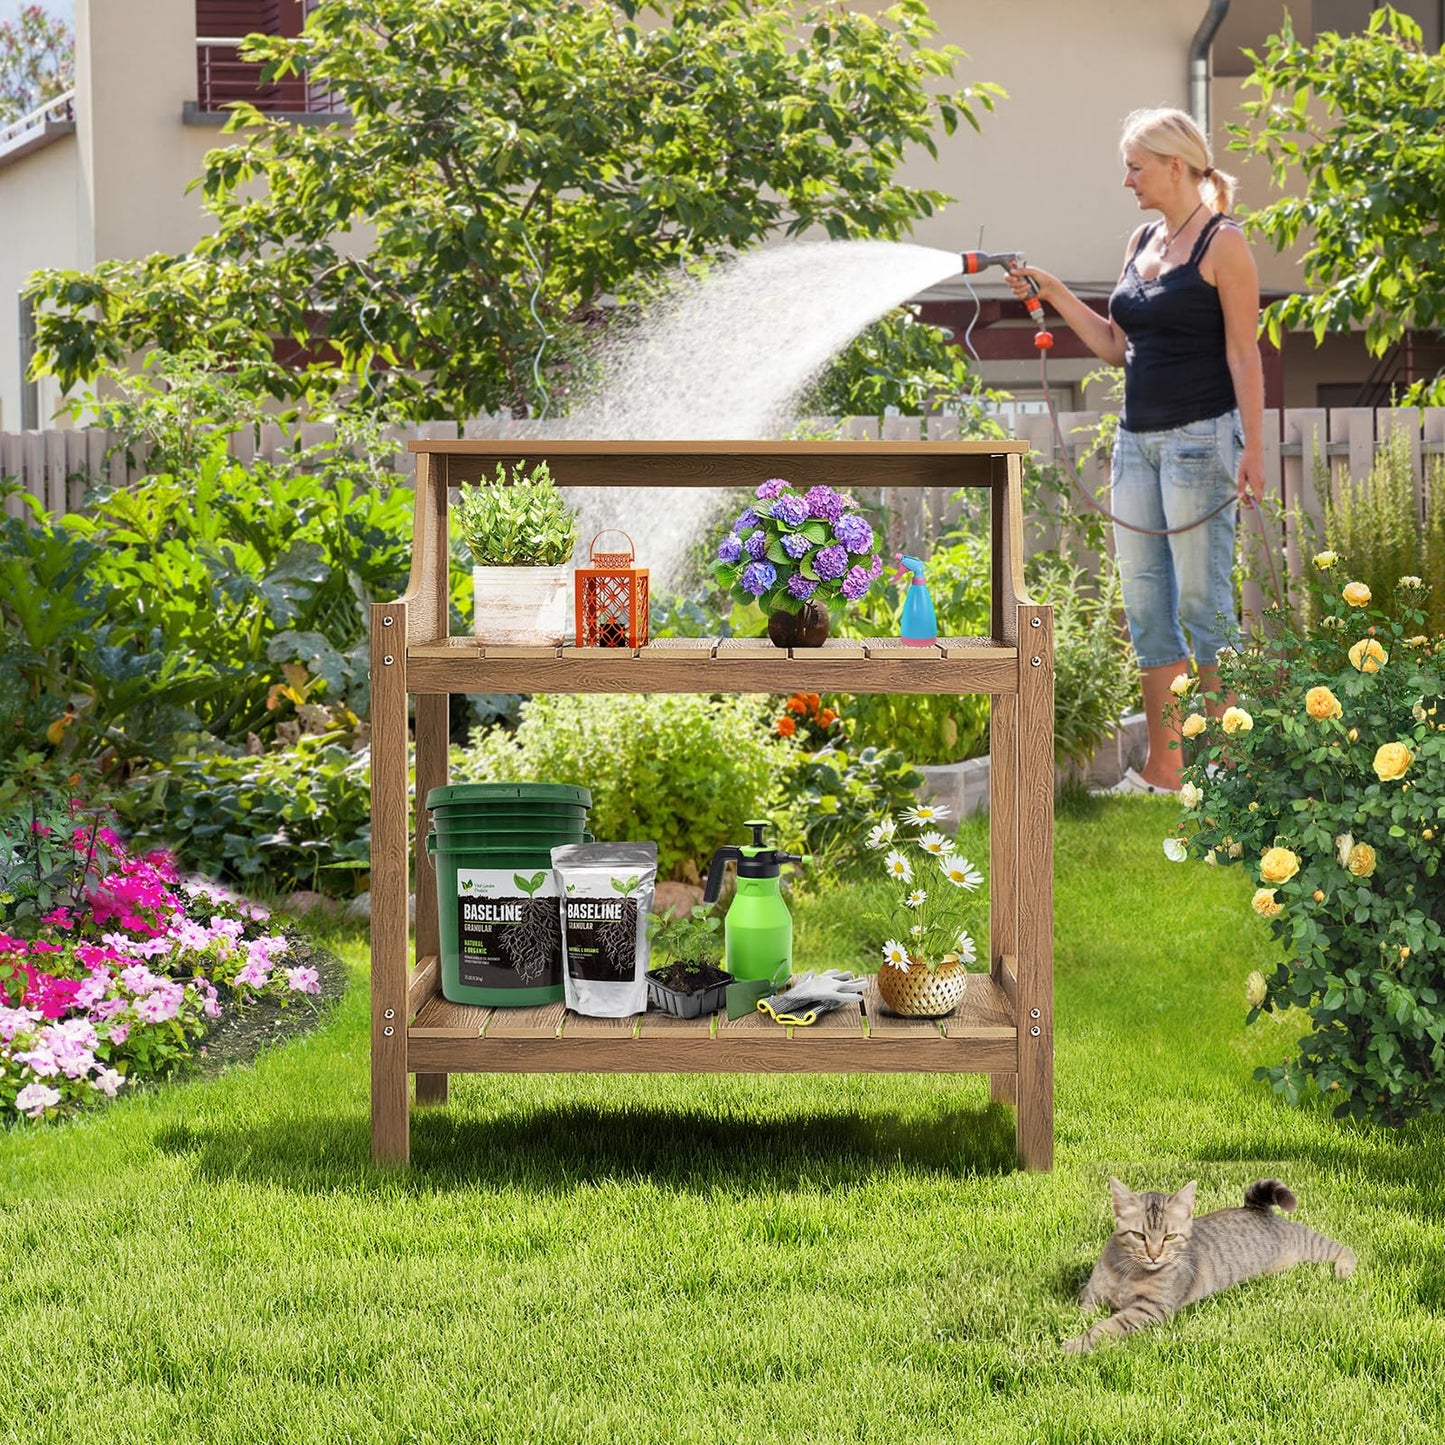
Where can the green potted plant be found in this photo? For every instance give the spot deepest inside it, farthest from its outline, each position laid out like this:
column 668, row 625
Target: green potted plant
column 797, row 555
column 691, row 981
column 937, row 902
column 521, row 532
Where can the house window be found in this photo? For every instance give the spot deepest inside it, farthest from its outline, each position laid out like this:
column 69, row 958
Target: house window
column 222, row 77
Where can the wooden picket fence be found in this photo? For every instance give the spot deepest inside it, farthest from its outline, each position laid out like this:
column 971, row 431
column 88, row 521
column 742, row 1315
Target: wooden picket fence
column 56, row 467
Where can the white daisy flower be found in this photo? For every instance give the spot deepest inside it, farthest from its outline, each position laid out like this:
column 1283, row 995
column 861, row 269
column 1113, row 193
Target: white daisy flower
column 967, row 949
column 916, row 898
column 925, row 813
column 895, row 953
column 934, row 843
column 916, row 931
column 881, row 834
column 1175, row 850
column 960, row 872
column 898, row 866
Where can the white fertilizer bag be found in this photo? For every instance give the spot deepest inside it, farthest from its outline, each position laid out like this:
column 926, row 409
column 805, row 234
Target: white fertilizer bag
column 606, row 893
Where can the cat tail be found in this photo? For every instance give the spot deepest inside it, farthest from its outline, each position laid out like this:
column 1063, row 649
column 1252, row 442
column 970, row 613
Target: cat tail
column 1266, row 1192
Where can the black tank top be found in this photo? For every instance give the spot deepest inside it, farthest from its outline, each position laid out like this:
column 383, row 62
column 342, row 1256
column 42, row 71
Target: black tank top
column 1176, row 369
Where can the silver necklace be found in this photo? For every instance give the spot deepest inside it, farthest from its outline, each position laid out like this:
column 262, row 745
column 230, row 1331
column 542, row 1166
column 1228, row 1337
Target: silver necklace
column 1170, row 240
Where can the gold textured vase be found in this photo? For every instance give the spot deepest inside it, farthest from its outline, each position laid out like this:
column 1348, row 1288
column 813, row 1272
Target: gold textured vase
column 917, row 993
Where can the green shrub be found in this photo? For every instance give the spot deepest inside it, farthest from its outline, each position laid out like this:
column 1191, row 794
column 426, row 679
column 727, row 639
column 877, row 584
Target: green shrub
column 682, row 770
column 524, row 522
column 297, row 817
column 220, row 603
column 1374, row 521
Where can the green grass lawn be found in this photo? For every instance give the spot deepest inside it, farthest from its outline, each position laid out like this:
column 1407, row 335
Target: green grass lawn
column 739, row 1259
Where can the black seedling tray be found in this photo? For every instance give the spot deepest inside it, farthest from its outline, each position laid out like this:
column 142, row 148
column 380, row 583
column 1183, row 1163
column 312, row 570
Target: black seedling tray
column 691, row 1003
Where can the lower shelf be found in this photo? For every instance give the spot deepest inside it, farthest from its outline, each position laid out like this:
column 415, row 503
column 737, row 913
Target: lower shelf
column 979, row 1037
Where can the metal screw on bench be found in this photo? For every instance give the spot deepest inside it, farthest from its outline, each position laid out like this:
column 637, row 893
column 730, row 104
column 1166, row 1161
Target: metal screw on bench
column 1033, row 1031
column 388, row 1031
column 387, row 621
column 1033, row 622
column 1033, row 661
column 388, row 660
column 391, row 1014
column 1033, row 1013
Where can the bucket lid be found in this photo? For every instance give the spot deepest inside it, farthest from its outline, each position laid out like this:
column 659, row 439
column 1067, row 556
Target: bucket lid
column 483, row 793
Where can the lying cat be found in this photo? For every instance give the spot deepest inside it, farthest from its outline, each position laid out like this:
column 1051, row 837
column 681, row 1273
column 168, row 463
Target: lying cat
column 1161, row 1258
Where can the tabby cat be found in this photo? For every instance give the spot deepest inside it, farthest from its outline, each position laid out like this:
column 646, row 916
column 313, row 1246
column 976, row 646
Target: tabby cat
column 1161, row 1258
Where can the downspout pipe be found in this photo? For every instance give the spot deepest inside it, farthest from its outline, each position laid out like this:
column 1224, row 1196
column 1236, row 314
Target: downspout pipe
column 1199, row 62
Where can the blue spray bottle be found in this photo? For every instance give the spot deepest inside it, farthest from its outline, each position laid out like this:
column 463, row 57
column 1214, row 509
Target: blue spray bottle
column 919, row 626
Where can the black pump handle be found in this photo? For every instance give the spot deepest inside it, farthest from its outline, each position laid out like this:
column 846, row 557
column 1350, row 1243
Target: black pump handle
column 717, row 868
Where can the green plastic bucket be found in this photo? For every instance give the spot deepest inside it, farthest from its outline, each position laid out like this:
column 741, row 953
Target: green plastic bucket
column 497, row 901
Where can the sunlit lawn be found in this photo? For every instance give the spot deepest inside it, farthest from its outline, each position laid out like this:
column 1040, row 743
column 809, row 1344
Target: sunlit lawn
column 735, row 1259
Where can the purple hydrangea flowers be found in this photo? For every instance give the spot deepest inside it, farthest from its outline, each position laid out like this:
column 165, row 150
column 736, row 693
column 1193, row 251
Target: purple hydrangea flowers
column 791, row 511
column 791, row 546
column 758, row 577
column 825, row 504
column 854, row 533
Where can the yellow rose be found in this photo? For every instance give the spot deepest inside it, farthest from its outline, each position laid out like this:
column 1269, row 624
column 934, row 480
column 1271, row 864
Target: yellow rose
column 1278, row 865
column 1410, row 584
column 1264, row 903
column 1361, row 861
column 1236, row 720
column 1325, row 560
column 1356, row 594
column 1392, row 761
column 1190, row 796
column 1321, row 703
column 1353, row 735
column 1181, row 684
column 1368, row 656
column 1419, row 640
column 1193, row 725
column 1319, row 895
column 1256, row 990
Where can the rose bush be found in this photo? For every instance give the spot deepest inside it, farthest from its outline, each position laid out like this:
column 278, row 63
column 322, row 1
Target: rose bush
column 1325, row 779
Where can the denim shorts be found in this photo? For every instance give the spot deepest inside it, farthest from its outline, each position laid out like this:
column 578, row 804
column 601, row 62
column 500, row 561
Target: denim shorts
column 1185, row 583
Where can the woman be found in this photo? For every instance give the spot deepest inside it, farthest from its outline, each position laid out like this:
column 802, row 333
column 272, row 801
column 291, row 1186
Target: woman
column 1182, row 322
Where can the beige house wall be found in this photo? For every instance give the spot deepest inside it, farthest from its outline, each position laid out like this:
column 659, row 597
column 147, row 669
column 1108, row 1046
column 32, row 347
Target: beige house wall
column 39, row 201
column 135, row 70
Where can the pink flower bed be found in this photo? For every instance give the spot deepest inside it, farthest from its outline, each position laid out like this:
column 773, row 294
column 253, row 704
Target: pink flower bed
column 115, row 984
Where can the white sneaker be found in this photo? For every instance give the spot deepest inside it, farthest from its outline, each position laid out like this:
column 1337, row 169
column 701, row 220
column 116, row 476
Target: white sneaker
column 1132, row 784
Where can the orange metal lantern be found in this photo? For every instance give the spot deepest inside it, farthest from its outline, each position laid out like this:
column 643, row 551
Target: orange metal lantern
column 611, row 598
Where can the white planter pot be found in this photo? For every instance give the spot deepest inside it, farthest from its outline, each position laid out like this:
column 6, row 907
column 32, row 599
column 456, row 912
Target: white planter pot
column 521, row 606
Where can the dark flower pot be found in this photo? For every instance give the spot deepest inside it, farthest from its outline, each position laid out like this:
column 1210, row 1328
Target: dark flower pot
column 808, row 627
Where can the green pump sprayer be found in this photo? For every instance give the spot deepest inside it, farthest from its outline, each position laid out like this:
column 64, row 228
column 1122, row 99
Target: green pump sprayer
column 758, row 932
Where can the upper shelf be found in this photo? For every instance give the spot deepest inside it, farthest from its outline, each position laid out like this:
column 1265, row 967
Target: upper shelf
column 952, row 665
column 950, row 464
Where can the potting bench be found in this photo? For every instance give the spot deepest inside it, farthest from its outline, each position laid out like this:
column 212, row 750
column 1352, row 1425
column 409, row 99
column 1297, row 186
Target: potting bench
column 1004, row 1026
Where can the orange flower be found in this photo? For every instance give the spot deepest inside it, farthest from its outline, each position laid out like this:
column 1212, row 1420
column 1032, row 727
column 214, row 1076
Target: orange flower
column 797, row 703
column 827, row 717
column 785, row 726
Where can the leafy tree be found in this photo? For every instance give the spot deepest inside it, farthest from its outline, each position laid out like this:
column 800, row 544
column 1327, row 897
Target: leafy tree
column 1362, row 119
column 903, row 364
column 512, row 165
column 37, row 61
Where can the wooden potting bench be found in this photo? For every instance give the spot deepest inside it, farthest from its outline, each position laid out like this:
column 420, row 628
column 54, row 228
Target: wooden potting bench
column 1004, row 1026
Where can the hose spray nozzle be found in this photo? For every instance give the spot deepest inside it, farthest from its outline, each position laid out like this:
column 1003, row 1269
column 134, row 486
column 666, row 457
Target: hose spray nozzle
column 976, row 261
